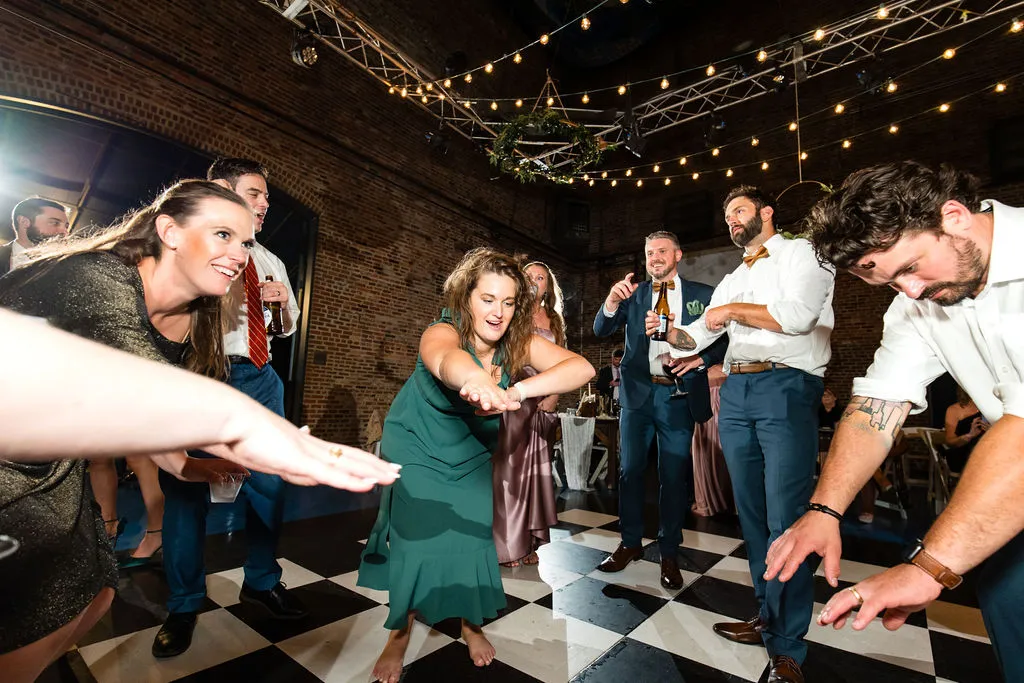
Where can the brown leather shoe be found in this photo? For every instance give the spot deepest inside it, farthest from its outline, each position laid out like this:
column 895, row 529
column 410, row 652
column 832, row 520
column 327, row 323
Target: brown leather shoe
column 618, row 560
column 746, row 632
column 783, row 669
column 671, row 578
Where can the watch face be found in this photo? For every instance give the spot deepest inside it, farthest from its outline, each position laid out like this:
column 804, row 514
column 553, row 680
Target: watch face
column 913, row 551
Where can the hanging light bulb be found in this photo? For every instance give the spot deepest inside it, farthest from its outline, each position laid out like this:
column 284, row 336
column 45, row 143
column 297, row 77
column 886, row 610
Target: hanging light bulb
column 614, row 182
column 517, row 58
column 447, row 82
column 419, row 89
column 640, row 182
column 948, row 53
column 710, row 71
column 424, row 99
column 656, row 168
column 403, row 92
column 469, row 78
column 754, row 142
column 762, row 55
column 894, row 129
column 840, row 108
column 944, row 107
column 682, row 161
column 882, row 12
column 429, row 86
column 764, row 165
column 819, row 35
column 591, row 182
column 1016, row 25
column 585, row 99
column 391, row 90
column 847, row 144
column 571, row 181
column 440, row 96
column 604, row 174
column 668, row 181
column 695, row 176
column 728, row 174
column 803, row 156
column 551, row 101
column 715, row 152
column 585, row 22
column 629, row 172
column 664, row 84
column 586, row 176
column 622, row 90
column 519, row 103
column 494, row 106
column 892, row 86
column 544, row 39
column 489, row 68
column 792, row 126
column 1000, row 87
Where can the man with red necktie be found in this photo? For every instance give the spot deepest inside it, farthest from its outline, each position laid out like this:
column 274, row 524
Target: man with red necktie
column 246, row 344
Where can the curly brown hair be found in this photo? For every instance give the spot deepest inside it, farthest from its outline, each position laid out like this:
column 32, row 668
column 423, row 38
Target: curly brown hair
column 552, row 302
column 514, row 346
column 135, row 237
column 878, row 205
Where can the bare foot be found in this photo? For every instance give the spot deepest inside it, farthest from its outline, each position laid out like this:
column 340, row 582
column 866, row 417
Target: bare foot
column 532, row 558
column 388, row 668
column 151, row 542
column 480, row 649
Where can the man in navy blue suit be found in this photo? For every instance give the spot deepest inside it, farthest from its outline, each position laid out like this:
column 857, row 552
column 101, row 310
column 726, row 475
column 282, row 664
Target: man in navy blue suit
column 647, row 410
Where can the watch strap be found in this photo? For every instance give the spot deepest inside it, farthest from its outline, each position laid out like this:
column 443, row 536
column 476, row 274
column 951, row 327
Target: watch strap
column 935, row 569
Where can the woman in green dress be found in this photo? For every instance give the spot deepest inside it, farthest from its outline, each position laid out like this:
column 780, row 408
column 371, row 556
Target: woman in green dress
column 432, row 547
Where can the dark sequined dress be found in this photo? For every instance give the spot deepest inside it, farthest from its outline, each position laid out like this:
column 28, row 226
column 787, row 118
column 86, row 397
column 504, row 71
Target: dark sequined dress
column 65, row 558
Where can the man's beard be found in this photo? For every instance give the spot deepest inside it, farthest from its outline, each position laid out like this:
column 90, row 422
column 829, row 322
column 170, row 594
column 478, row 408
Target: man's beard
column 35, row 236
column 970, row 272
column 666, row 268
column 751, row 229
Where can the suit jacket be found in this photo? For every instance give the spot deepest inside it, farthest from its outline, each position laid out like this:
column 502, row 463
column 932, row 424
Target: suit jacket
column 5, row 257
column 604, row 381
column 635, row 387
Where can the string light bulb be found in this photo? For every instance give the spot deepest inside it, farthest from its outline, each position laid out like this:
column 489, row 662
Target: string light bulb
column 664, row 84
column 715, row 152
column 629, row 172
column 489, row 68
column 391, row 90
column 429, row 86
column 792, row 126
column 764, row 165
column 710, row 71
column 892, row 87
column 840, row 108
column 544, row 39
column 894, row 129
column 624, row 1
column 591, row 182
column 882, row 12
column 803, row 156
column 668, row 181
column 762, row 55
column 517, row 58
column 403, row 92
column 424, row 99
column 695, row 175
column 656, row 168
column 682, row 161
column 447, row 82
column 622, row 90
column 1000, row 87
column 948, row 53
column 585, row 99
column 819, row 34
column 728, row 174
column 604, row 175
column 944, row 107
column 419, row 89
column 571, row 181
column 585, row 22
column 586, row 176
column 469, row 78
column 614, row 182
column 640, row 182
column 754, row 142
column 847, row 144
column 440, row 96
column 551, row 101
column 519, row 103
column 1016, row 25
column 494, row 106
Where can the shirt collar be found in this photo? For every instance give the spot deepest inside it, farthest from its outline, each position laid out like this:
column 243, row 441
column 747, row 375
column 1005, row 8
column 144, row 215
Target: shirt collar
column 773, row 240
column 1004, row 263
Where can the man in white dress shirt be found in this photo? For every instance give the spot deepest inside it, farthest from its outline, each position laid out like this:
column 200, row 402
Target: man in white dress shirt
column 246, row 344
column 777, row 308
column 956, row 262
column 34, row 220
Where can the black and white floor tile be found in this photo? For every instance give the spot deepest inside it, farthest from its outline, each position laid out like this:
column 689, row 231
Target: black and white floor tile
column 564, row 622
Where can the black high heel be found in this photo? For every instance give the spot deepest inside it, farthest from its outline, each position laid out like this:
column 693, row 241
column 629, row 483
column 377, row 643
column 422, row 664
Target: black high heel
column 128, row 561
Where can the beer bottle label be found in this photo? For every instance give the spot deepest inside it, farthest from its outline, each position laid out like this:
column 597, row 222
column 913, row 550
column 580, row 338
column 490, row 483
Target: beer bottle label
column 267, row 316
column 662, row 324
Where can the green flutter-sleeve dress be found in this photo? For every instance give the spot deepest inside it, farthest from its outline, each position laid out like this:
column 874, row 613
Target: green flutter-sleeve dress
column 432, row 546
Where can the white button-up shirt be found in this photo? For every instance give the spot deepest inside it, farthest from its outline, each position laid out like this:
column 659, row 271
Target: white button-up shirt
column 236, row 339
column 19, row 256
column 979, row 341
column 797, row 290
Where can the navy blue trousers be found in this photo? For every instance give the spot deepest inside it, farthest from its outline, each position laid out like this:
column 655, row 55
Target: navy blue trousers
column 1000, row 595
column 671, row 422
column 187, row 504
column 768, row 424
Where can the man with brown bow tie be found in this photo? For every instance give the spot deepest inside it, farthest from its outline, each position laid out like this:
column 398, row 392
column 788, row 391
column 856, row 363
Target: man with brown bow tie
column 777, row 308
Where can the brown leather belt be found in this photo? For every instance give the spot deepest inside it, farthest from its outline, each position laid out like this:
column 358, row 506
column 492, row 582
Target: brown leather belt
column 749, row 368
column 666, row 381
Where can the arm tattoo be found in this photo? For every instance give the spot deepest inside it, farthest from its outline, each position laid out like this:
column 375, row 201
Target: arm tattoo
column 681, row 340
column 883, row 416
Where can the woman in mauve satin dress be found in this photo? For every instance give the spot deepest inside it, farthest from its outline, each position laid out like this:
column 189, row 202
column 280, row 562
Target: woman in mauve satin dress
column 524, row 494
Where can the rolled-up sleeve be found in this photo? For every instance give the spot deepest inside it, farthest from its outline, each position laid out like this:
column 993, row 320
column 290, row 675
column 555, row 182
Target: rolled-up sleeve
column 806, row 287
column 904, row 363
column 698, row 330
column 1012, row 396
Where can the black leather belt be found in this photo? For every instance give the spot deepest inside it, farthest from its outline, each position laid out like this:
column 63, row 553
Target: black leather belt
column 666, row 381
column 235, row 360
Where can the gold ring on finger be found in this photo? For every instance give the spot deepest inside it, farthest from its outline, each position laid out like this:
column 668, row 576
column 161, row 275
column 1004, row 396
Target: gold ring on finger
column 336, row 451
column 860, row 600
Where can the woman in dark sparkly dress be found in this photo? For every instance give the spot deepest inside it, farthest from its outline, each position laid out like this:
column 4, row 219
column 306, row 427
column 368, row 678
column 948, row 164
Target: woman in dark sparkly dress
column 150, row 286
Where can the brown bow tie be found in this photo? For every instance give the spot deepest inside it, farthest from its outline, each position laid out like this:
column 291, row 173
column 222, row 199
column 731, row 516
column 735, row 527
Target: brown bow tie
column 671, row 284
column 760, row 253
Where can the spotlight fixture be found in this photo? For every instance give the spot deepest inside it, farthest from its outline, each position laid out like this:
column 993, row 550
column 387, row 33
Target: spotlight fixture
column 304, row 49
column 437, row 141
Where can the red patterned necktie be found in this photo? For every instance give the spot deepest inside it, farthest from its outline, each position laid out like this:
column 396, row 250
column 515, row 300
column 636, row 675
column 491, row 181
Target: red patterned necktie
column 749, row 259
column 258, row 353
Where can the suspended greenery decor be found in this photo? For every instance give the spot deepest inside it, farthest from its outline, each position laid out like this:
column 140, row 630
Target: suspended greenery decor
column 544, row 126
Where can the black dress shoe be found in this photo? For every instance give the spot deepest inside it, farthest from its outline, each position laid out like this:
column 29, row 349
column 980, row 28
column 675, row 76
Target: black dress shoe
column 279, row 602
column 618, row 560
column 783, row 669
column 175, row 636
column 671, row 577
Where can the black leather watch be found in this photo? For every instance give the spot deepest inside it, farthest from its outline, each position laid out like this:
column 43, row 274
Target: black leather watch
column 917, row 556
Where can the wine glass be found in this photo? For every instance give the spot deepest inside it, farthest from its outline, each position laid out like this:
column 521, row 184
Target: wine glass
column 678, row 393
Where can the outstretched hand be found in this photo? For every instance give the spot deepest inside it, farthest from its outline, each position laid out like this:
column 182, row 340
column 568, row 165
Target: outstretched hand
column 815, row 532
column 488, row 398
